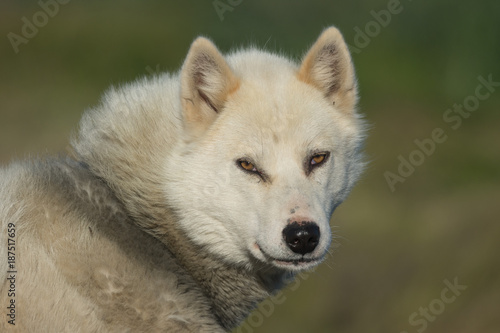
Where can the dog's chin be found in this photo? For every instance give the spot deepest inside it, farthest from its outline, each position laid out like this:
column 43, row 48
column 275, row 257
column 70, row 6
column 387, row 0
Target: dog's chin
column 287, row 264
column 296, row 265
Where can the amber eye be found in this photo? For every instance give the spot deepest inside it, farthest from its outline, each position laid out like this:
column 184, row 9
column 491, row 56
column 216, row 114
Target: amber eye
column 318, row 159
column 247, row 165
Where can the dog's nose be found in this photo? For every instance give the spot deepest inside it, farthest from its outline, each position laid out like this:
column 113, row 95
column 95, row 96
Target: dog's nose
column 301, row 237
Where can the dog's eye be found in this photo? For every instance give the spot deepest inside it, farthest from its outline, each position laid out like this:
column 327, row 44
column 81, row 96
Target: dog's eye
column 318, row 159
column 248, row 166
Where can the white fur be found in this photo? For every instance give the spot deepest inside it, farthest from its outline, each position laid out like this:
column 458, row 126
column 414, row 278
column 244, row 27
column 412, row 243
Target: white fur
column 153, row 225
column 276, row 120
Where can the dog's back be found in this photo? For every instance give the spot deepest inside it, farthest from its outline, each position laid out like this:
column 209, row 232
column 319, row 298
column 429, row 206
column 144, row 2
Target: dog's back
column 126, row 237
column 78, row 262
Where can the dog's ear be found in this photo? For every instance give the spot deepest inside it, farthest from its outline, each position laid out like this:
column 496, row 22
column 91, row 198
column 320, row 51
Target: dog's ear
column 206, row 81
column 328, row 67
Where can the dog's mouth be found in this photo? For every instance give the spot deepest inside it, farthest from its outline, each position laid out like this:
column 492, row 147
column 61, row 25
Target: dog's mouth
column 294, row 264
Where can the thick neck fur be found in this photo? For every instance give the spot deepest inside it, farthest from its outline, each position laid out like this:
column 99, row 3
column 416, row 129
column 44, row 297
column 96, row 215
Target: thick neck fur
column 124, row 145
column 233, row 291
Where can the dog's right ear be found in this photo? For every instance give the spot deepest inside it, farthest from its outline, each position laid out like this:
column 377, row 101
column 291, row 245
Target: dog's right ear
column 328, row 67
column 206, row 81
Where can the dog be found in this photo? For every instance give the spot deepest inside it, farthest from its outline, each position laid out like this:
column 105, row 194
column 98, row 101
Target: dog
column 188, row 198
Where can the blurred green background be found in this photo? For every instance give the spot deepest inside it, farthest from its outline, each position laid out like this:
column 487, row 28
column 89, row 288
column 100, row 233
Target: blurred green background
column 395, row 246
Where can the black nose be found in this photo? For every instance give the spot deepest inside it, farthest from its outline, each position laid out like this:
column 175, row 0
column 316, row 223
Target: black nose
column 301, row 237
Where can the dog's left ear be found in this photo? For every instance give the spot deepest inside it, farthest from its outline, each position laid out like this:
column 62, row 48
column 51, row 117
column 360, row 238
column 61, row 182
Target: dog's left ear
column 206, row 81
column 328, row 67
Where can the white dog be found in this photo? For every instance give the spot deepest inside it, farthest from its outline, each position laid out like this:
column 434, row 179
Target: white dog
column 189, row 199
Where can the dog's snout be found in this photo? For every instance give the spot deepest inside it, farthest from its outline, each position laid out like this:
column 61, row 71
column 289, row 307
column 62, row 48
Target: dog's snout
column 301, row 237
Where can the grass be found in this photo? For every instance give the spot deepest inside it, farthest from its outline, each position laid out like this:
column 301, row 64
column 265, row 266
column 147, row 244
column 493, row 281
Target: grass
column 396, row 248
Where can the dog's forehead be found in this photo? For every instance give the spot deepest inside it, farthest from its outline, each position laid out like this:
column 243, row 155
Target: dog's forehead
column 280, row 128
column 288, row 107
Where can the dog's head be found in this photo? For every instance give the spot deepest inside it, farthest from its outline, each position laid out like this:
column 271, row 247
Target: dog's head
column 270, row 149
